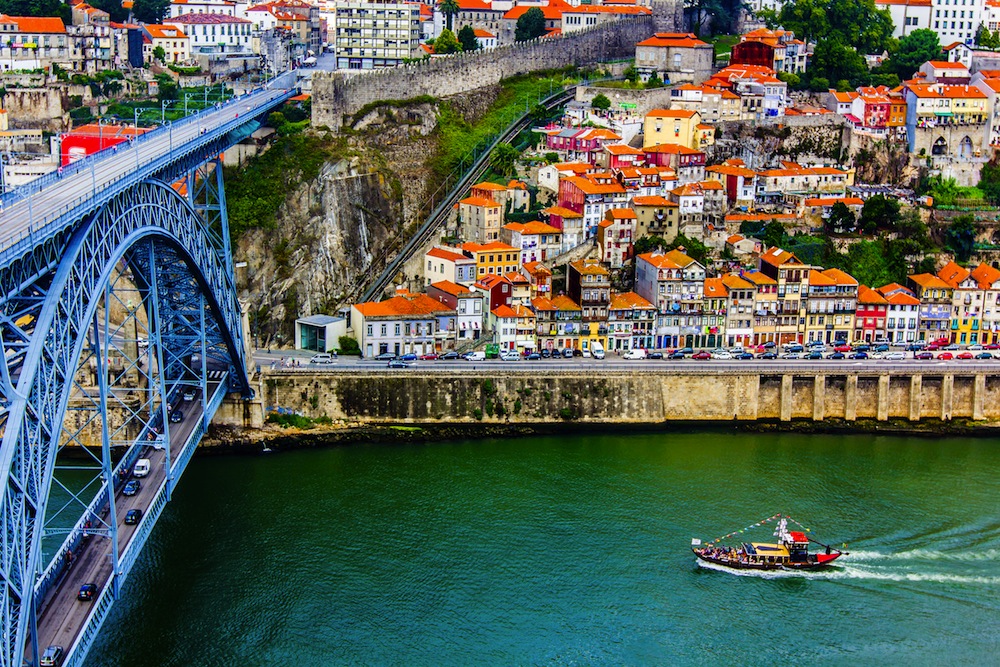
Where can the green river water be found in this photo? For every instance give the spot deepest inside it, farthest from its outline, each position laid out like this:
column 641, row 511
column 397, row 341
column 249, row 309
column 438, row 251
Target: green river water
column 570, row 550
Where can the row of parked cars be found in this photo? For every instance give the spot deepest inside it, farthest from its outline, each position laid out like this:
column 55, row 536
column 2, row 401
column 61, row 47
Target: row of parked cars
column 819, row 350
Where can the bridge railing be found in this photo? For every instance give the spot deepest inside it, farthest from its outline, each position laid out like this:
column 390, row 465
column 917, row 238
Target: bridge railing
column 102, row 188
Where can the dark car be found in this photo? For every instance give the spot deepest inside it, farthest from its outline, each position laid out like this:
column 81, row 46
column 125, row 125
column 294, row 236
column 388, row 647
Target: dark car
column 533, row 356
column 861, row 348
column 131, row 487
column 654, row 355
column 188, row 395
column 984, row 355
column 87, row 592
column 794, row 348
column 567, row 353
column 858, row 355
column 450, row 355
column 744, row 356
column 132, row 517
column 577, row 352
column 408, row 357
column 836, row 355
column 914, row 347
column 815, row 355
column 385, row 356
column 176, row 417
column 399, row 363
column 676, row 355
column 687, row 351
column 546, row 353
column 924, row 355
column 883, row 347
column 52, row 657
column 768, row 355
column 701, row 355
column 431, row 356
column 770, row 344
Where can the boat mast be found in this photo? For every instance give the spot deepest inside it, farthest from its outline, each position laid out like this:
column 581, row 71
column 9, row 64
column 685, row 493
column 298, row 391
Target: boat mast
column 781, row 530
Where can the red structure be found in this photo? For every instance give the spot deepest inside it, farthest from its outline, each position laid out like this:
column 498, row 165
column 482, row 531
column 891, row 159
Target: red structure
column 752, row 53
column 93, row 138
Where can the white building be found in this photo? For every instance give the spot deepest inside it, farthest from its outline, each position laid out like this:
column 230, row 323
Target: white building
column 214, row 32
column 181, row 7
column 954, row 22
column 175, row 44
column 372, row 35
column 908, row 15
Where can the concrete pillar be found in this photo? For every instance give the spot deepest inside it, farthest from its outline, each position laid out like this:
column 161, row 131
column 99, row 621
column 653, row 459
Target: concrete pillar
column 786, row 398
column 819, row 398
column 747, row 397
column 947, row 396
column 916, row 400
column 883, row 398
column 851, row 398
column 979, row 396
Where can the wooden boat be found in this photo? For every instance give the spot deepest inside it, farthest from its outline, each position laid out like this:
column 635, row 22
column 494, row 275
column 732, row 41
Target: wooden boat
column 790, row 552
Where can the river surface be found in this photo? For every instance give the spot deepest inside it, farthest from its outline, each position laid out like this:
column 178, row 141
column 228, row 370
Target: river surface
column 569, row 550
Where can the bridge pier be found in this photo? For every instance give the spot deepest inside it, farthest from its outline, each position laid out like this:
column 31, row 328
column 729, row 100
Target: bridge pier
column 947, row 396
column 916, row 399
column 786, row 398
column 882, row 413
column 819, row 398
column 978, row 396
column 851, row 398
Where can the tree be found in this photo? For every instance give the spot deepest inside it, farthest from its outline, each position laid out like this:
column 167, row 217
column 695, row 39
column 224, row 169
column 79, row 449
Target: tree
column 855, row 23
column 961, row 237
column 654, row 81
column 159, row 54
column 833, row 61
column 112, row 88
column 37, row 8
column 114, row 8
column 774, row 234
column 503, row 160
column 914, row 50
column 467, row 38
column 879, row 213
column 989, row 182
column 150, row 11
column 601, row 102
column 841, row 219
column 446, row 43
column 348, row 345
column 450, row 9
column 531, row 25
column 987, row 39
column 166, row 88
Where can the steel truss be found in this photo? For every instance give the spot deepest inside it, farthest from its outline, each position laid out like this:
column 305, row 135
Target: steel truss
column 138, row 300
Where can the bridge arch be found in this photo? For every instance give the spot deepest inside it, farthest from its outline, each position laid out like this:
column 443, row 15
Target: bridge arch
column 177, row 262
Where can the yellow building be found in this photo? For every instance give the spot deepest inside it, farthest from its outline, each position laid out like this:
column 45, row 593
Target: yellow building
column 673, row 126
column 493, row 258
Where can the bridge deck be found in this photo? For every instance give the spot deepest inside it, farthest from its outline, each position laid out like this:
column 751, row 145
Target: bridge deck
column 61, row 616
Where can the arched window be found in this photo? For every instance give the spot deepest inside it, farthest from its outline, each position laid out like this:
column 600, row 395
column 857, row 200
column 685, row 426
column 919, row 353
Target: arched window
column 940, row 147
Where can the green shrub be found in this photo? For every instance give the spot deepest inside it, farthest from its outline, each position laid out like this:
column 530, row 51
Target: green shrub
column 478, row 414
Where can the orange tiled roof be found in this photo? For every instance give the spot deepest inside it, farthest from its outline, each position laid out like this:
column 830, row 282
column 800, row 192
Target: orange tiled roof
column 585, row 268
column 715, row 288
column 629, row 301
column 733, row 281
column 563, row 302
column 758, row 278
column 953, row 274
column 841, row 277
column 416, row 304
column 562, row 212
column 450, row 288
column 776, row 257
column 532, row 227
column 868, row 295
column 652, row 200
column 985, row 275
column 480, row 201
column 675, row 39
column 537, row 269
column 929, row 280
column 671, row 113
column 441, row 253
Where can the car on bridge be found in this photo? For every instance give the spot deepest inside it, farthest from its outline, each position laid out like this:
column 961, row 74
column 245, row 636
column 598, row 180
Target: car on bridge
column 836, row 355
column 176, row 417
column 52, row 657
column 132, row 517
column 131, row 487
column 894, row 356
column 984, row 355
column 189, row 395
column 385, row 356
column 87, row 592
column 408, row 357
column 924, row 355
column 964, row 355
column 946, row 356
column 858, row 355
column 399, row 363
column 702, row 355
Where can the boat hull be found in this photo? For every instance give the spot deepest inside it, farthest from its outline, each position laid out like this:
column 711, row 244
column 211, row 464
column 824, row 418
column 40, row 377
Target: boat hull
column 821, row 561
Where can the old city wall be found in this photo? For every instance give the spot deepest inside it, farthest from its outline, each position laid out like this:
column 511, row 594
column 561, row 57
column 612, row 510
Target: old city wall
column 335, row 94
column 630, row 397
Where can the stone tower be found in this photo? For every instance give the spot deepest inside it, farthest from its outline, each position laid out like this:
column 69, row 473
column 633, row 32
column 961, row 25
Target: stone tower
column 668, row 15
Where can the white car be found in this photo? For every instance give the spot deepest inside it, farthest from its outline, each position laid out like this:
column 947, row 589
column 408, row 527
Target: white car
column 895, row 356
column 791, row 355
column 634, row 354
column 510, row 355
column 721, row 354
column 321, row 358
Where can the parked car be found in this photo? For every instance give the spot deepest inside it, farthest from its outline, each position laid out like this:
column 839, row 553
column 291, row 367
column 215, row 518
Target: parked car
column 408, row 357
column 975, row 347
column 721, row 354
column 836, row 355
column 546, row 353
column 791, row 355
column 635, row 354
column 450, row 355
column 510, row 355
column 953, row 346
column 942, row 341
column 946, row 356
column 861, row 347
column 399, row 363
column 895, row 356
column 858, row 355
column 568, row 353
column 924, row 355
column 132, row 517
column 686, row 351
column 534, row 356
column 882, row 347
column 676, row 355
column 385, row 356
column 654, row 355
column 992, row 346
column 768, row 355
column 87, row 592
column 477, row 355
column 52, row 657
column 845, row 348
column 321, row 358
column 430, row 356
column 701, row 355
column 984, row 355
column 770, row 344
column 914, row 347
column 744, row 356
column 793, row 347
column 131, row 487
column 964, row 355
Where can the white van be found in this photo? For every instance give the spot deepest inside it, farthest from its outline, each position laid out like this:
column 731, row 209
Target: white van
column 597, row 350
column 141, row 468
column 475, row 356
column 635, row 354
column 510, row 355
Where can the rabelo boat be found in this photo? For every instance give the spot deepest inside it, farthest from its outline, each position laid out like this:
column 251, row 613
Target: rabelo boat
column 790, row 552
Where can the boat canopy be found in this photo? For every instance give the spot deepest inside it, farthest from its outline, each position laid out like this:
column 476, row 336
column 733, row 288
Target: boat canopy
column 798, row 536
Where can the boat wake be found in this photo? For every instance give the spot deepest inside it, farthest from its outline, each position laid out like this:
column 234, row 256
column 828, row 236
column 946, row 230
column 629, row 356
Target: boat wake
column 925, row 554
column 847, row 571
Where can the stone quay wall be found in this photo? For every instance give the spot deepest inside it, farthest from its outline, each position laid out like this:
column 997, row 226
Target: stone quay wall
column 335, row 94
column 647, row 397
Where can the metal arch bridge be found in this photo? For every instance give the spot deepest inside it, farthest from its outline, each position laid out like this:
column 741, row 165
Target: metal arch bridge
column 121, row 335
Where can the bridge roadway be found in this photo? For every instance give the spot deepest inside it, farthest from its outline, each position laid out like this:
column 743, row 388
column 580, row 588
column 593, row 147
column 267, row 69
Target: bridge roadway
column 61, row 616
column 25, row 212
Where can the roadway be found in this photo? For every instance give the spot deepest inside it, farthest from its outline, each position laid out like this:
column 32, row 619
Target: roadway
column 76, row 183
column 353, row 365
column 61, row 616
